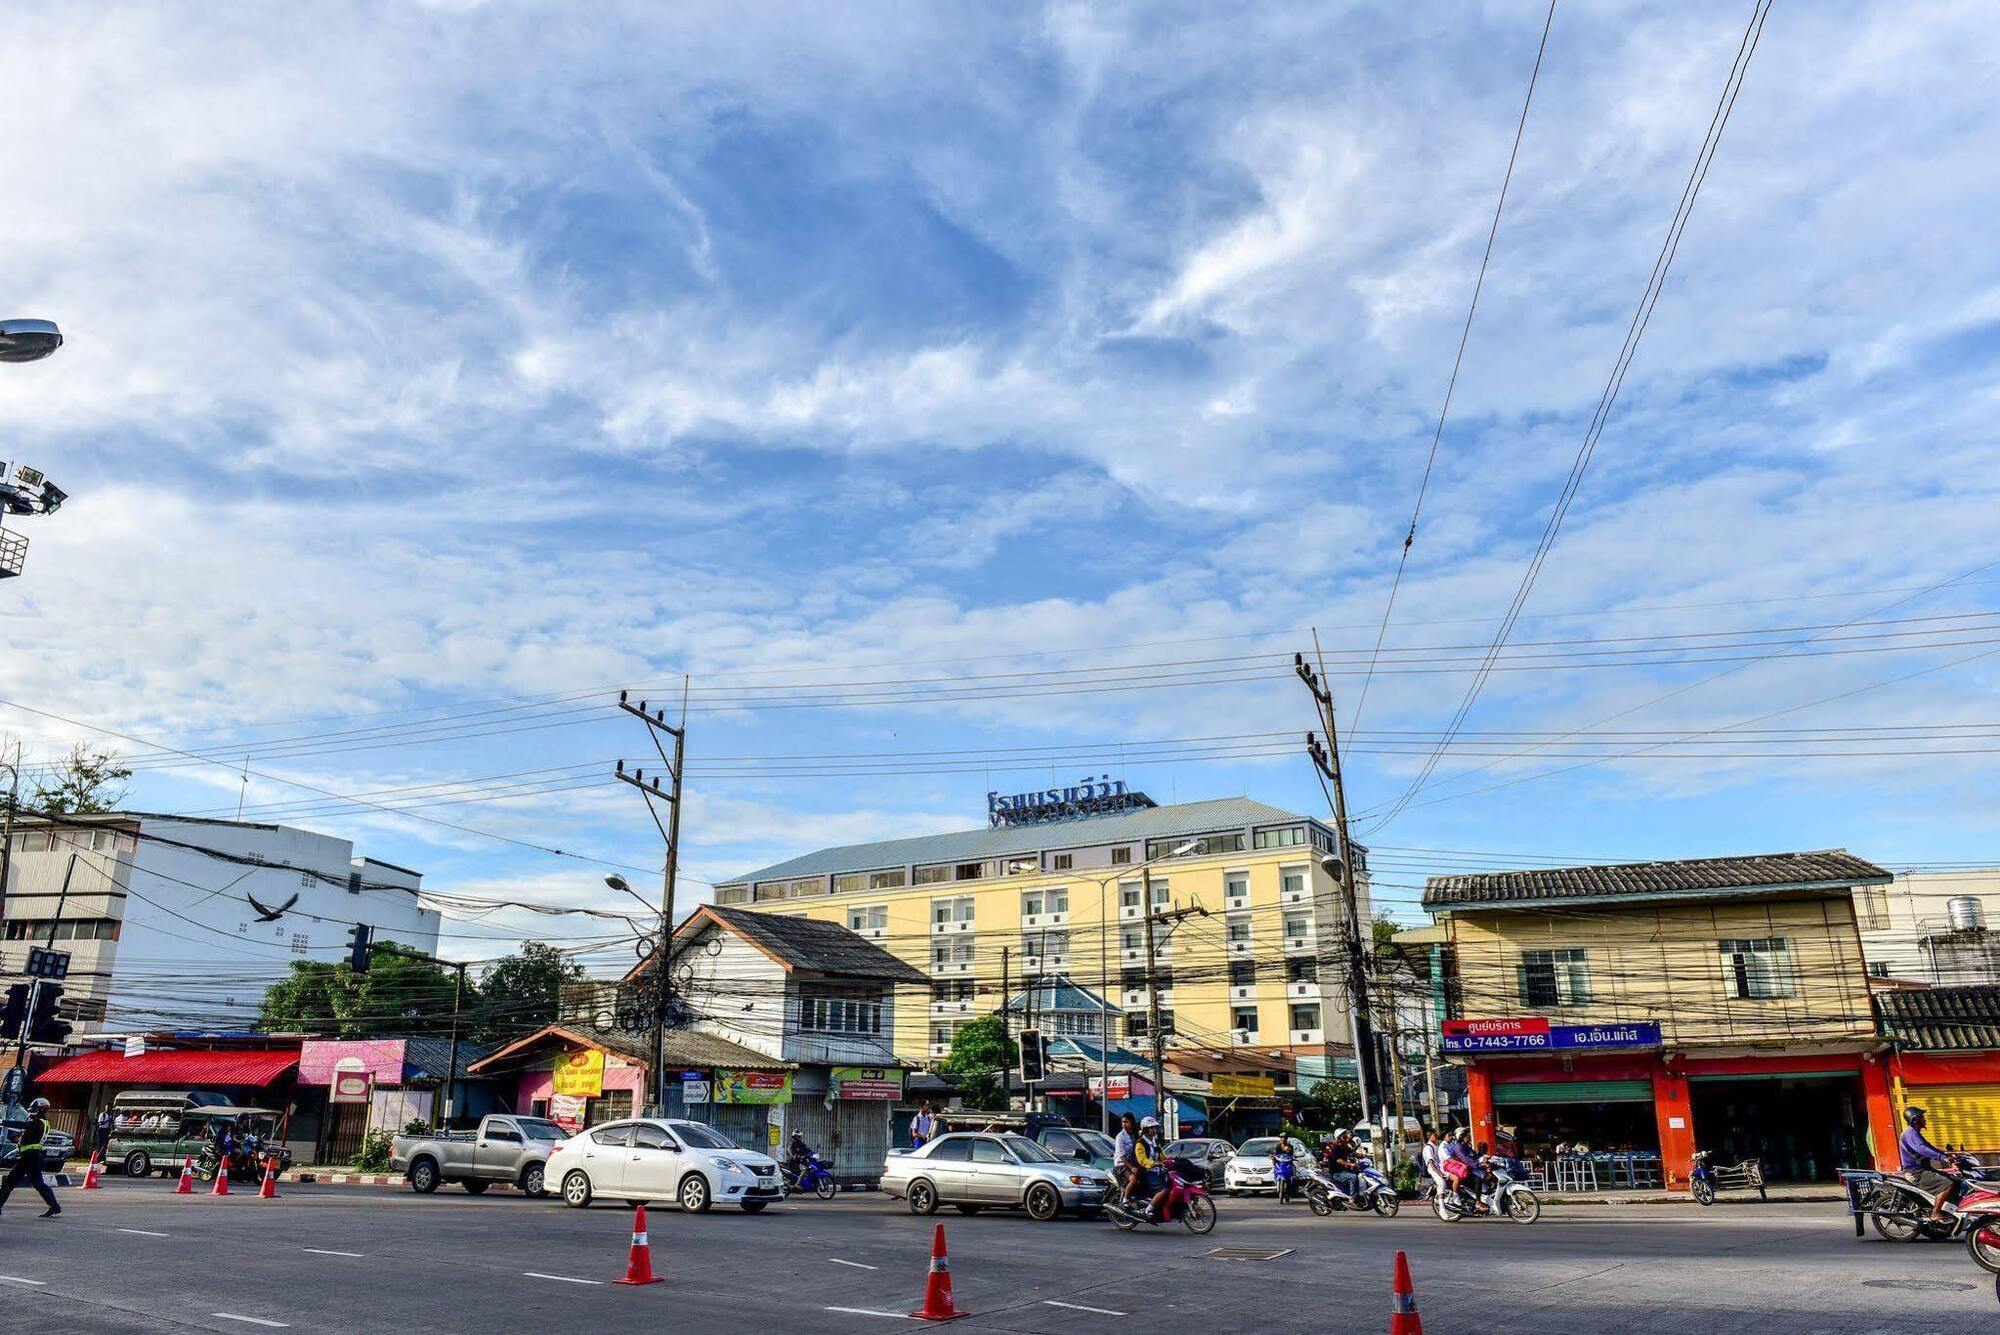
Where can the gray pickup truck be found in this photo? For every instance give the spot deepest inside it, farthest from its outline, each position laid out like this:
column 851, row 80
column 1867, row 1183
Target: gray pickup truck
column 509, row 1150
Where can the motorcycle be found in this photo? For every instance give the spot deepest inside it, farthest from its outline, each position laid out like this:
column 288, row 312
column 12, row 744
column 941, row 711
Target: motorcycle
column 1901, row 1210
column 1187, row 1200
column 1511, row 1201
column 1979, row 1210
column 1372, row 1192
column 815, row 1177
column 1284, row 1173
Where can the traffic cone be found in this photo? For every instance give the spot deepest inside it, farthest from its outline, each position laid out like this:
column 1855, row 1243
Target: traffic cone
column 90, row 1182
column 186, row 1187
column 1403, row 1318
column 269, row 1191
column 221, row 1178
column 639, row 1265
column 937, row 1286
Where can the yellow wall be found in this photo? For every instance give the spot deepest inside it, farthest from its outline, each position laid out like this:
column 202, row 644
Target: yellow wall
column 1664, row 963
column 1201, row 998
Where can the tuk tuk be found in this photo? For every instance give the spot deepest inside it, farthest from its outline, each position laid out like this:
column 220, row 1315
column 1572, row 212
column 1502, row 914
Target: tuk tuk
column 154, row 1130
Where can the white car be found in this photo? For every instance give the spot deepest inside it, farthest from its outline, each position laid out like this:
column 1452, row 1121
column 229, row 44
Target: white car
column 662, row 1159
column 1249, row 1169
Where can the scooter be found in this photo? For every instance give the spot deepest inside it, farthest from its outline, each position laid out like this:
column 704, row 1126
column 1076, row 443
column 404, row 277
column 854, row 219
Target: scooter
column 814, row 1177
column 1372, row 1192
column 1511, row 1201
column 1187, row 1200
column 1284, row 1173
column 1979, row 1211
column 1901, row 1211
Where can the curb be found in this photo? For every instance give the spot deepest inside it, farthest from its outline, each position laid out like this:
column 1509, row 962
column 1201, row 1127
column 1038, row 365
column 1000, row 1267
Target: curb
column 343, row 1179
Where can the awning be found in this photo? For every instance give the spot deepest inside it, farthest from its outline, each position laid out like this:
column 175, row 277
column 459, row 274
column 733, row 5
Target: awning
column 252, row 1068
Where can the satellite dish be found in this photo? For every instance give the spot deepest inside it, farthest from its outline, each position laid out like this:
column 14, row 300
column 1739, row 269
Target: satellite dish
column 28, row 340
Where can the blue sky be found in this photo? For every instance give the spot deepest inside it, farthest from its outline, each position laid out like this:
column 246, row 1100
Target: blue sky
column 427, row 356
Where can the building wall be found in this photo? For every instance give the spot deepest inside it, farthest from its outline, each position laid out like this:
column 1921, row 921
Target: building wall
column 1902, row 923
column 1663, row 962
column 1201, row 999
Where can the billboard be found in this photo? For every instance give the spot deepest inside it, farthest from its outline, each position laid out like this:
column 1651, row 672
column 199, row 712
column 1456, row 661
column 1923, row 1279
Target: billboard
column 752, row 1087
column 867, row 1082
column 580, row 1073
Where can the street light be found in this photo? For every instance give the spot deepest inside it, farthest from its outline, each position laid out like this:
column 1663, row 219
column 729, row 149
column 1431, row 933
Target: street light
column 28, row 340
column 620, row 884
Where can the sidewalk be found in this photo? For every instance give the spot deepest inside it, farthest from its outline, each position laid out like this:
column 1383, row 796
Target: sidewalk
column 1810, row 1191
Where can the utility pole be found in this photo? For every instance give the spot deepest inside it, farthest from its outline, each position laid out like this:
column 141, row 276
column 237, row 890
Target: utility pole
column 1006, row 1067
column 1328, row 763
column 656, row 723
column 7, row 822
column 35, row 985
column 1173, row 918
column 450, row 1101
column 1394, row 1150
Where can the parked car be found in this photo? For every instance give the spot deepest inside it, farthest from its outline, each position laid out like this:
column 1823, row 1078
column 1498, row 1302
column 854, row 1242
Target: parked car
column 505, row 1149
column 1076, row 1145
column 972, row 1172
column 57, row 1146
column 1249, row 1169
column 1210, row 1154
column 663, row 1159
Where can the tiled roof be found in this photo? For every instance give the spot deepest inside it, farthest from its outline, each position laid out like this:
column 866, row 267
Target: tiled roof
column 1830, row 868
column 813, row 945
column 1228, row 813
column 685, row 1047
column 1941, row 1019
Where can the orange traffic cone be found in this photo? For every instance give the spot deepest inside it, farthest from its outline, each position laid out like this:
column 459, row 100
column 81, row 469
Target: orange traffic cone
column 269, row 1191
column 90, row 1182
column 186, row 1187
column 1403, row 1318
column 639, row 1265
column 221, row 1177
column 937, row 1286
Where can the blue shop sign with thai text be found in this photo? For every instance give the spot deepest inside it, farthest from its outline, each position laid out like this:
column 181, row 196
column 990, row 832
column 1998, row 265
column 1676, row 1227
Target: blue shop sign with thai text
column 1559, row 1038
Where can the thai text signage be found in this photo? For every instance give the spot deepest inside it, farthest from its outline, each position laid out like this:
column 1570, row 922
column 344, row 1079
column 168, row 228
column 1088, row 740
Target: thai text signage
column 867, row 1082
column 1242, row 1086
column 752, row 1087
column 1535, row 1034
column 1098, row 797
column 580, row 1073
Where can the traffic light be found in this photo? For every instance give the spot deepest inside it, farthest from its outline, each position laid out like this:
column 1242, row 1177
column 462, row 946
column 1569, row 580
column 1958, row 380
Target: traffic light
column 43, row 1026
column 16, row 1013
column 359, row 937
column 1034, row 1058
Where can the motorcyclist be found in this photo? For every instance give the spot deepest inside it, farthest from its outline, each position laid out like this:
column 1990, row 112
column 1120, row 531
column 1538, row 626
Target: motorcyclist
column 1149, row 1156
column 1934, row 1171
column 1456, row 1161
column 798, row 1156
column 1124, row 1165
column 1341, row 1163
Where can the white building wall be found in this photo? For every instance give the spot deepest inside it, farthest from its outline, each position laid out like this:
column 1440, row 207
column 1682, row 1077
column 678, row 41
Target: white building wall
column 738, row 992
column 1896, row 918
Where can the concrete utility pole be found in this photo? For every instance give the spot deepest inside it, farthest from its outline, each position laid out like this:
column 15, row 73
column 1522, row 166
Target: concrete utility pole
column 7, row 822
column 656, row 723
column 1328, row 763
column 1006, row 1067
column 1174, row 918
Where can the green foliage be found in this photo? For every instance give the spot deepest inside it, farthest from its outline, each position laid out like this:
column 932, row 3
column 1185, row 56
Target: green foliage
column 979, row 1051
column 397, row 995
column 416, row 1126
column 519, row 994
column 83, row 783
column 373, row 1156
column 1340, row 1100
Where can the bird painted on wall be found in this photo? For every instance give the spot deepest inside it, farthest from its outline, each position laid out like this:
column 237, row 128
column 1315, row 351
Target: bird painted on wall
column 267, row 914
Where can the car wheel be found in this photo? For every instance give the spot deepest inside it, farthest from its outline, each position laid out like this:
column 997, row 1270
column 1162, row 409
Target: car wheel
column 475, row 1188
column 531, row 1179
column 423, row 1177
column 137, row 1164
column 752, row 1207
column 923, row 1198
column 576, row 1190
column 1043, row 1203
column 694, row 1194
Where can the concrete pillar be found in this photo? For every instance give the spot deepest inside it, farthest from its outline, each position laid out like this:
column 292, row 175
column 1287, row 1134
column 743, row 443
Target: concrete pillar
column 1479, row 1100
column 1674, row 1114
column 1882, row 1128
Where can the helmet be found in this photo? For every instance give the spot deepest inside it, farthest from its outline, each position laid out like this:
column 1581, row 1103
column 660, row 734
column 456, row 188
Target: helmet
column 1150, row 1124
column 38, row 1105
column 1913, row 1116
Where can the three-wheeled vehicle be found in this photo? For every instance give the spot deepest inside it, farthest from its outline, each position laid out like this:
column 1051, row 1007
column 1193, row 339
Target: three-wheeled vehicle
column 154, row 1130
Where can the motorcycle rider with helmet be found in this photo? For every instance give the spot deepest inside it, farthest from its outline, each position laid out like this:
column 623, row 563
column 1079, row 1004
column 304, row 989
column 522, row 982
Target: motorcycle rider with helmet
column 1934, row 1171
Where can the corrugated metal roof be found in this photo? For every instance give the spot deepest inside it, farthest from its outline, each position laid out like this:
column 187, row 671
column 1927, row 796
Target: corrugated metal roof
column 1767, row 871
column 1057, row 992
column 425, row 1057
column 685, row 1047
column 814, row 945
column 1226, row 813
column 254, row 1069
column 1942, row 1019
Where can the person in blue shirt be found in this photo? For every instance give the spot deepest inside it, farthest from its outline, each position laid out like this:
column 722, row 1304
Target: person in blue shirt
column 922, row 1127
column 1934, row 1171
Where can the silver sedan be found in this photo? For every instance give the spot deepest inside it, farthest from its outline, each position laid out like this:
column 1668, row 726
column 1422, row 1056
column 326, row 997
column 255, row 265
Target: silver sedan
column 975, row 1171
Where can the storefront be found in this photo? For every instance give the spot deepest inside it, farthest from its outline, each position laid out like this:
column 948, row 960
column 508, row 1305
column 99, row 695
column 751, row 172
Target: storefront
column 1947, row 1062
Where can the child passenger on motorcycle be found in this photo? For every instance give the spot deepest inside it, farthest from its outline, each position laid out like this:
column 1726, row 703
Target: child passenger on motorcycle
column 1149, row 1159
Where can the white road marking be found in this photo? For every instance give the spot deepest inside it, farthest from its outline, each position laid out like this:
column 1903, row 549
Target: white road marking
column 321, row 1251
column 16, row 1279
column 563, row 1279
column 869, row 1311
column 1079, row 1307
column 856, row 1264
column 253, row 1320
column 145, row 1232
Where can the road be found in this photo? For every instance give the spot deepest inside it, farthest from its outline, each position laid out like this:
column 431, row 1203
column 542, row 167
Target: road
column 134, row 1257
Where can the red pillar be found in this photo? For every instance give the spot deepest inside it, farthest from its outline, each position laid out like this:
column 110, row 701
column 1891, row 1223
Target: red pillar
column 1881, row 1111
column 1479, row 1100
column 1674, row 1114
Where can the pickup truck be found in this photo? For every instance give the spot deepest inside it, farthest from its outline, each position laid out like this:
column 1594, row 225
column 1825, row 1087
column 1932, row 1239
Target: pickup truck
column 505, row 1149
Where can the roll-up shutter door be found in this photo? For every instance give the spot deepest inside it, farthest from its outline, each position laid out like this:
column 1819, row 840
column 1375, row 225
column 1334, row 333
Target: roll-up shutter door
column 1961, row 1117
column 1575, row 1091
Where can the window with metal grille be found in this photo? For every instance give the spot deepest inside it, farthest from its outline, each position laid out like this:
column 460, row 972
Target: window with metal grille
column 1553, row 978
column 1757, row 968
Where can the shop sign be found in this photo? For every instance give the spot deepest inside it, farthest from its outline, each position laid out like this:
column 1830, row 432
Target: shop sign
column 867, row 1082
column 351, row 1087
column 1242, row 1086
column 1538, row 1035
column 753, row 1087
column 566, row 1111
column 1121, row 1087
column 1527, row 1024
column 694, row 1089
column 1089, row 798
column 580, row 1073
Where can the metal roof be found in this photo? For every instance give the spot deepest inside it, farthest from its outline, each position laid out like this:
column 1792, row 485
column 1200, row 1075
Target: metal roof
column 1226, row 813
column 233, row 1068
column 1057, row 992
column 811, row 944
column 685, row 1047
column 1941, row 1019
column 1828, row 869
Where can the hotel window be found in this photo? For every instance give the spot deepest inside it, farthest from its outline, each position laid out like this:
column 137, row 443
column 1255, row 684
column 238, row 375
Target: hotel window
column 1128, row 896
column 732, row 894
column 1046, row 945
column 1031, row 904
column 1207, row 844
column 887, row 880
column 1059, row 900
column 1064, row 861
column 1302, row 971
column 1286, row 837
column 1135, row 1024
column 1120, row 856
column 1242, row 973
column 943, row 1034
column 868, row 918
column 1244, row 1018
column 1871, row 908
column 1758, row 969
column 1239, row 931
column 968, row 871
column 1554, row 978
column 1131, row 940
column 947, row 911
column 805, row 885
column 932, row 875
column 1296, row 927
column 850, row 882
column 1305, row 1015
column 1293, row 880
column 770, row 890
column 1132, row 980
column 1236, row 885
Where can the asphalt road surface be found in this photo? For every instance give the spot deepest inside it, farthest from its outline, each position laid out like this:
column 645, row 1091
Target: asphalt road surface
column 134, row 1257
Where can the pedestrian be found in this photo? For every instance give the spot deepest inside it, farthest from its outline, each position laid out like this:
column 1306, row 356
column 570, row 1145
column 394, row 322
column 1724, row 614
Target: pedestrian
column 922, row 1127
column 28, row 1167
column 103, row 1131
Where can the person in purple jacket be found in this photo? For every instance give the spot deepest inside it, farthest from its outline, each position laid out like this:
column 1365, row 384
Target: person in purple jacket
column 1934, row 1171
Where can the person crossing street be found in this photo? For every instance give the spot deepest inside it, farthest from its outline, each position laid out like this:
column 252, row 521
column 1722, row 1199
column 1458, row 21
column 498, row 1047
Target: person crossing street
column 28, row 1167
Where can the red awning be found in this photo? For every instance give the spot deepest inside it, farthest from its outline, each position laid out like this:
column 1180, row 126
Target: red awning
column 110, row 1067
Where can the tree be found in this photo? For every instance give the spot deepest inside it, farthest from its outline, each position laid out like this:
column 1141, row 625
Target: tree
column 521, row 993
column 980, row 1050
column 397, row 995
column 1340, row 1100
column 82, row 783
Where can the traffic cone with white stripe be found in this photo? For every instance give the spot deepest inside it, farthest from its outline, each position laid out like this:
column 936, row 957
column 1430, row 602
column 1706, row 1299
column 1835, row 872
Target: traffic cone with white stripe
column 937, row 1286
column 221, row 1177
column 639, row 1265
column 186, row 1187
column 1403, row 1318
column 90, row 1182
column 269, row 1191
